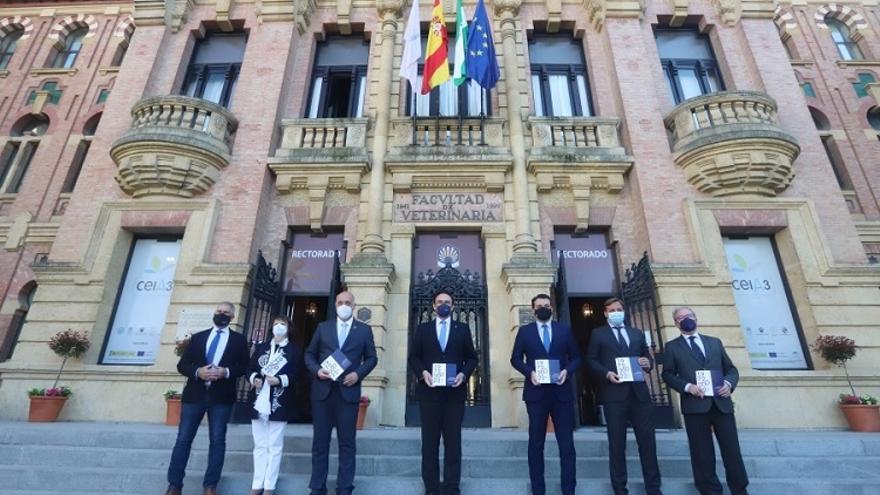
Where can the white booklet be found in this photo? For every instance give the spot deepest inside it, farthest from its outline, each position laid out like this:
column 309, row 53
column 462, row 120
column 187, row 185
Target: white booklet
column 336, row 364
column 628, row 369
column 443, row 374
column 709, row 381
column 547, row 370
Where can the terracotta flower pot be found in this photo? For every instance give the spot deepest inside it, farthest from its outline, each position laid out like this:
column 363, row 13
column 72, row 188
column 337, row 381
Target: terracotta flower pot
column 172, row 412
column 45, row 409
column 861, row 417
column 362, row 415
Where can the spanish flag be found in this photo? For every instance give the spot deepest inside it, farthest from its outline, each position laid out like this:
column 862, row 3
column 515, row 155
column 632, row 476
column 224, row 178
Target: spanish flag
column 436, row 55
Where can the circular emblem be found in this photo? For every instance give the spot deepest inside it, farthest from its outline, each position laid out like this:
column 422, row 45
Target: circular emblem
column 448, row 256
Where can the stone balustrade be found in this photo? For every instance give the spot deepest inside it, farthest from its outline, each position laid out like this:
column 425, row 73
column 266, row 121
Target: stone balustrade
column 730, row 143
column 176, row 146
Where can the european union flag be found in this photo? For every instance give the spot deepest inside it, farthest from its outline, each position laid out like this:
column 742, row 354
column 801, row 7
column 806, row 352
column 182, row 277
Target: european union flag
column 482, row 66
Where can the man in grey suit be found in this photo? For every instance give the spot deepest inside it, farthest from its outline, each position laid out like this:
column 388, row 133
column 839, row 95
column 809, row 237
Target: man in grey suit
column 335, row 402
column 683, row 358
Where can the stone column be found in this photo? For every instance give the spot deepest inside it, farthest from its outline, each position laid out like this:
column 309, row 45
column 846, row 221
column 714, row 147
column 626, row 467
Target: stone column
column 524, row 241
column 389, row 11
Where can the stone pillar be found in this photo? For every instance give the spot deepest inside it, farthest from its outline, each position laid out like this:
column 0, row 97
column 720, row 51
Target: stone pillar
column 524, row 241
column 389, row 11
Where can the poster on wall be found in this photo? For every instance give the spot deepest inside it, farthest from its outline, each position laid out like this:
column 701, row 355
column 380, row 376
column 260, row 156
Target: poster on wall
column 310, row 258
column 771, row 336
column 137, row 325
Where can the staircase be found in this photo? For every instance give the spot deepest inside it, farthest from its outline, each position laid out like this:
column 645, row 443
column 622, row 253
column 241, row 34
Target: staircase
column 129, row 458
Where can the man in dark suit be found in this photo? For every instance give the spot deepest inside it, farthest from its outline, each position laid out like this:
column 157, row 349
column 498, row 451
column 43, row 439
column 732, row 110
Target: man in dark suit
column 442, row 341
column 683, row 357
column 335, row 402
column 545, row 339
column 624, row 402
column 211, row 363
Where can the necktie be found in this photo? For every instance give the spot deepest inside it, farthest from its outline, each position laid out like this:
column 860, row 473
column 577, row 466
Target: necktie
column 696, row 349
column 443, row 336
column 343, row 334
column 212, row 349
column 545, row 337
column 620, row 341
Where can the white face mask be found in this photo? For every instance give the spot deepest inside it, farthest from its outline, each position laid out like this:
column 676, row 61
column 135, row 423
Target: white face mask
column 343, row 312
column 279, row 330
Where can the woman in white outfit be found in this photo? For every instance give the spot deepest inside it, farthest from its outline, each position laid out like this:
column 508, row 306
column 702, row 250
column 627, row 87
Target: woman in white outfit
column 273, row 367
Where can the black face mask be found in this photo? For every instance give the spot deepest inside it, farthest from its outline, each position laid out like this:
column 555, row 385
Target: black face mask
column 543, row 313
column 222, row 320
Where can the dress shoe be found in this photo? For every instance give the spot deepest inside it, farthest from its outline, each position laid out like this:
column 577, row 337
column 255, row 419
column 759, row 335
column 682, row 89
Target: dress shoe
column 173, row 491
column 210, row 490
column 257, row 491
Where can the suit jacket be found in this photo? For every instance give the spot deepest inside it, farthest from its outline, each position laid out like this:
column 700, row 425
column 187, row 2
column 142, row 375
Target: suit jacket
column 425, row 351
column 601, row 353
column 359, row 348
column 680, row 367
column 235, row 357
column 281, row 396
column 528, row 347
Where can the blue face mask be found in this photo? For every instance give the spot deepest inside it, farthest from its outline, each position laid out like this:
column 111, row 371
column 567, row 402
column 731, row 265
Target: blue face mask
column 688, row 325
column 615, row 318
column 444, row 310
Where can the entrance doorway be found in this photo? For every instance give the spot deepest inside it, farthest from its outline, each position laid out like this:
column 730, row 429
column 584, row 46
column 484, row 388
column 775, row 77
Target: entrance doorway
column 305, row 312
column 587, row 314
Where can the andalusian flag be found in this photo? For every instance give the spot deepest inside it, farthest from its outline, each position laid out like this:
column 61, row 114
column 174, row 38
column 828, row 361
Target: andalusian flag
column 437, row 53
column 461, row 29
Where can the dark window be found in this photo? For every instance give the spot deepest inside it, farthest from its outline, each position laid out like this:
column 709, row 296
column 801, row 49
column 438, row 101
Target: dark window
column 339, row 78
column 808, row 89
column 213, row 70
column 119, row 55
column 65, row 57
column 7, row 47
column 859, row 87
column 15, row 174
column 688, row 63
column 874, row 118
column 7, row 160
column 560, row 86
column 103, row 95
column 836, row 163
column 82, row 150
column 848, row 49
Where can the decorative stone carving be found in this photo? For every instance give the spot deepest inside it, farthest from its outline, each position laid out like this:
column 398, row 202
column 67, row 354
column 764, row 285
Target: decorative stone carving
column 343, row 16
column 730, row 143
column 679, row 12
column 509, row 7
column 222, row 14
column 729, row 10
column 176, row 11
column 554, row 15
column 176, row 146
column 598, row 10
column 389, row 7
column 149, row 12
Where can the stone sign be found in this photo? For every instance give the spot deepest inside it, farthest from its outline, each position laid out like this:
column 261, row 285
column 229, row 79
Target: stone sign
column 448, row 207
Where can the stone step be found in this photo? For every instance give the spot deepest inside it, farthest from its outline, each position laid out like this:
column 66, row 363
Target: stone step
column 137, row 482
column 409, row 466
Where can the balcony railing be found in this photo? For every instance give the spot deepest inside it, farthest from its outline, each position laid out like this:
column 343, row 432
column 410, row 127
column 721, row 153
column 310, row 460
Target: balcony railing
column 575, row 132
column 448, row 131
column 730, row 143
column 195, row 136
column 323, row 133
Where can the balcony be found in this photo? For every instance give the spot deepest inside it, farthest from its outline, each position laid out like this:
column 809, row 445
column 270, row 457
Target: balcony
column 319, row 155
column 447, row 139
column 730, row 143
column 176, row 146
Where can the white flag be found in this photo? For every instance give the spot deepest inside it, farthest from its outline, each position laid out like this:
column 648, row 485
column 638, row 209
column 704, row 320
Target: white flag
column 412, row 48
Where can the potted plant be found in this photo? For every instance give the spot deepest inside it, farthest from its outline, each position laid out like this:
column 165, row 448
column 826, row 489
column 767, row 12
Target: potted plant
column 362, row 411
column 862, row 413
column 46, row 404
column 172, row 407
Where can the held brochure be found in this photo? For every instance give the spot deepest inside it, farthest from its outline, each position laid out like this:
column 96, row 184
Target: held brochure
column 628, row 369
column 547, row 370
column 443, row 374
column 709, row 381
column 336, row 364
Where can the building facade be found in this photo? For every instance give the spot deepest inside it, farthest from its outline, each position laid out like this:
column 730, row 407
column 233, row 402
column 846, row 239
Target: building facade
column 159, row 155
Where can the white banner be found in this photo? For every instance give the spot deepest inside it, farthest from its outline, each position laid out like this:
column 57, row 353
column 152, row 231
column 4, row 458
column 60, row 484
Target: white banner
column 771, row 337
column 140, row 315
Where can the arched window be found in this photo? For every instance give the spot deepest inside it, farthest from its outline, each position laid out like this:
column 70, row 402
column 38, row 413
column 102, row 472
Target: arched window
column 846, row 46
column 82, row 151
column 19, row 151
column 874, row 118
column 25, row 300
column 65, row 56
column 7, row 47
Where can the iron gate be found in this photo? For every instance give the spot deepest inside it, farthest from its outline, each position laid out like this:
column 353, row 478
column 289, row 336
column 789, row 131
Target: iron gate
column 469, row 291
column 639, row 294
column 263, row 304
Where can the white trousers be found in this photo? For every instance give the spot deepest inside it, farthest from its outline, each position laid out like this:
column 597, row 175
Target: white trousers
column 268, row 445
